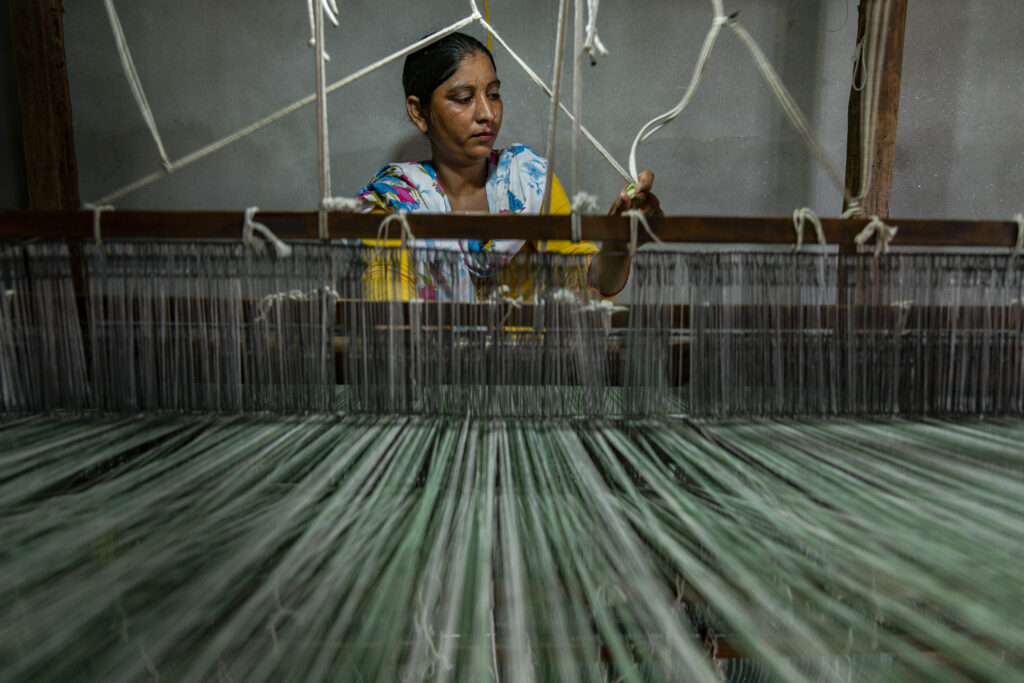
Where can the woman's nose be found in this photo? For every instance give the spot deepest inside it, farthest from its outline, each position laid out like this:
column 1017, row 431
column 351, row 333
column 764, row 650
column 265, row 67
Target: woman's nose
column 484, row 109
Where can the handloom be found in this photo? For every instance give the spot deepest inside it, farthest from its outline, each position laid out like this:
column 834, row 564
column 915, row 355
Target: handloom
column 225, row 465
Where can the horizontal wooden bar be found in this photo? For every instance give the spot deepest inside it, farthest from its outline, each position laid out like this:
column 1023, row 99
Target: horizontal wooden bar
column 192, row 225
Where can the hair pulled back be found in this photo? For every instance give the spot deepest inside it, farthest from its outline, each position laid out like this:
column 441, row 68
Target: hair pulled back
column 429, row 67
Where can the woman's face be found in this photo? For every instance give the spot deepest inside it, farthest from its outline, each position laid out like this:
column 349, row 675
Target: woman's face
column 465, row 112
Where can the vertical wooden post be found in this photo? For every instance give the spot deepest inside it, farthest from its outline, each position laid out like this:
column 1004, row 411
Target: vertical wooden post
column 37, row 35
column 876, row 203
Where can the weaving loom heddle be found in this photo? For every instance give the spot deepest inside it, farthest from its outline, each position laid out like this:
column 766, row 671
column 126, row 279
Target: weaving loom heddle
column 508, row 488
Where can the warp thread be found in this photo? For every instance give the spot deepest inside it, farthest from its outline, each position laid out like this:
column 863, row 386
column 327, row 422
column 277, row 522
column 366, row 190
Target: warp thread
column 800, row 218
column 882, row 233
column 251, row 227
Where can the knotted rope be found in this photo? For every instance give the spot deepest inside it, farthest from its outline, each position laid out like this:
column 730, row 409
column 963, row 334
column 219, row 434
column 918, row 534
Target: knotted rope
column 583, row 204
column 593, row 45
column 882, row 233
column 800, row 218
column 251, row 227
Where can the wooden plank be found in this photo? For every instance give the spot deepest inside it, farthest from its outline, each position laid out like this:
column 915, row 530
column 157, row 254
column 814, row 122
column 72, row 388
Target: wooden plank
column 877, row 200
column 193, row 225
column 37, row 32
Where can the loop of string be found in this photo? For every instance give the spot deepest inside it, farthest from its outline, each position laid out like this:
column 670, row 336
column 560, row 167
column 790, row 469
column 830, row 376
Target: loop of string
column 1019, row 247
column 636, row 219
column 406, row 237
column 250, row 227
column 135, row 83
column 858, row 66
column 583, row 204
column 593, row 45
column 556, row 88
column 328, row 7
column 96, row 218
column 882, row 233
column 800, row 218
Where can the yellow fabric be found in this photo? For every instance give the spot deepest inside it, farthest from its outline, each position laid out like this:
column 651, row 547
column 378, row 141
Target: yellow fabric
column 386, row 280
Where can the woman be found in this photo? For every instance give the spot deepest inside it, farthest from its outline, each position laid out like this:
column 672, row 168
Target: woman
column 453, row 96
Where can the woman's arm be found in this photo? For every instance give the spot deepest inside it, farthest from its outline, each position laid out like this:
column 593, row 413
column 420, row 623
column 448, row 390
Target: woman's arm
column 609, row 270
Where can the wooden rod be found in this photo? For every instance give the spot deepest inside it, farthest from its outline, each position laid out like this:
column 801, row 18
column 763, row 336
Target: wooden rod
column 876, row 201
column 37, row 33
column 194, row 225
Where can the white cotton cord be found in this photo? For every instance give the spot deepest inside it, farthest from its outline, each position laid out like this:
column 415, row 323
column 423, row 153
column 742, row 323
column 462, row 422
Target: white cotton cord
column 583, row 204
column 249, row 229
column 577, row 109
column 556, row 87
column 343, row 204
column 787, row 104
column 800, row 218
column 136, row 85
column 1019, row 247
column 882, row 233
column 407, row 238
column 328, row 7
column 322, row 138
column 873, row 57
column 539, row 82
column 290, row 109
column 859, row 77
column 97, row 211
column 593, row 45
column 636, row 219
column 656, row 124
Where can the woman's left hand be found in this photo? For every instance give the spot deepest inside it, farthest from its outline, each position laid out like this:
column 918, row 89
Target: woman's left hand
column 646, row 201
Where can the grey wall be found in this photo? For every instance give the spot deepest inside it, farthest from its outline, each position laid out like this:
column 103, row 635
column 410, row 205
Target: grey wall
column 212, row 67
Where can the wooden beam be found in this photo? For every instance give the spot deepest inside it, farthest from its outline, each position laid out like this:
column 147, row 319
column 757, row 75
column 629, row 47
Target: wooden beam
column 876, row 202
column 291, row 225
column 37, row 33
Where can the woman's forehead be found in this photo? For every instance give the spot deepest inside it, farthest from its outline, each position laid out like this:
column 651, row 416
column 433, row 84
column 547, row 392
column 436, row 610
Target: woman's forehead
column 474, row 69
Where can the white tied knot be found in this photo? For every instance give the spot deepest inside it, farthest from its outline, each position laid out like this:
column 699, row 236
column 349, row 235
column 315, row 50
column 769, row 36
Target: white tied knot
column 343, row 204
column 882, row 233
column 800, row 218
column 251, row 227
column 593, row 45
column 606, row 306
column 1019, row 247
column 583, row 204
column 636, row 219
column 406, row 235
column 97, row 211
column 501, row 296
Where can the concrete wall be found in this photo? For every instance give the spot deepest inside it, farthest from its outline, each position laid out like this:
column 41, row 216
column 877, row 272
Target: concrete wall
column 210, row 68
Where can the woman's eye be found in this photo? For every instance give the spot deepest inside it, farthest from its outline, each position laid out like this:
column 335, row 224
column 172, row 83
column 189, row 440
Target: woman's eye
column 494, row 96
column 463, row 100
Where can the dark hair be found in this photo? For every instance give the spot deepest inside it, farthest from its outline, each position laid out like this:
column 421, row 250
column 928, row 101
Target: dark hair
column 429, row 67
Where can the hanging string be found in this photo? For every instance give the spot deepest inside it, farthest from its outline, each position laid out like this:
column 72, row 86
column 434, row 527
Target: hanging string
column 323, row 153
column 800, row 218
column 291, row 108
column 249, row 229
column 593, row 45
column 539, row 82
column 96, row 213
column 583, row 204
column 556, row 87
column 135, row 83
column 406, row 236
column 577, row 109
column 660, row 122
column 330, row 7
column 637, row 219
column 880, row 231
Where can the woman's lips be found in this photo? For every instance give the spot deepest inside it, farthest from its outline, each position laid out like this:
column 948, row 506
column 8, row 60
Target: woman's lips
column 487, row 135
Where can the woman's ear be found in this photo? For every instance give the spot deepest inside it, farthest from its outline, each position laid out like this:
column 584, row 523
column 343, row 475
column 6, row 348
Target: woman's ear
column 416, row 113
